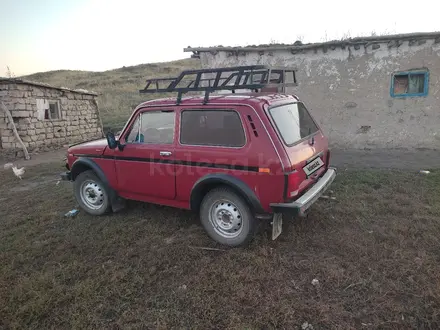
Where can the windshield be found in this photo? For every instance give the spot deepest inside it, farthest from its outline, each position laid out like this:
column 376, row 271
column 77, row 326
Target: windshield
column 293, row 122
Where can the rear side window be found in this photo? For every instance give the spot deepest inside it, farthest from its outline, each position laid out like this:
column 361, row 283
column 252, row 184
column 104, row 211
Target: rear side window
column 212, row 128
column 293, row 122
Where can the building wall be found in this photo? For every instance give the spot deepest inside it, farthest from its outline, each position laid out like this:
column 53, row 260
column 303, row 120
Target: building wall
column 348, row 90
column 79, row 117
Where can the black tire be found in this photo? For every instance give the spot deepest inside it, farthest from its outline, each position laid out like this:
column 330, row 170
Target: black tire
column 238, row 215
column 88, row 180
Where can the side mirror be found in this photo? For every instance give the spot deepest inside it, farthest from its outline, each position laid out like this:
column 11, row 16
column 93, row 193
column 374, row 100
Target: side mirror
column 113, row 143
column 111, row 140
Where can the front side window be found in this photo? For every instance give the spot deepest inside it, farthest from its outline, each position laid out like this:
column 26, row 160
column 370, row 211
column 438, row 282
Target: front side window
column 152, row 128
column 212, row 128
column 293, row 122
column 412, row 83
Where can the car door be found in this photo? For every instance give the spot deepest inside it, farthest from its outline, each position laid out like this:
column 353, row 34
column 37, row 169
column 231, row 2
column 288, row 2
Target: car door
column 211, row 140
column 145, row 167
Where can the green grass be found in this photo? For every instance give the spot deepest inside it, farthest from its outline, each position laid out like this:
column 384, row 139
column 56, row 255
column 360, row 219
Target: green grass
column 119, row 88
column 374, row 251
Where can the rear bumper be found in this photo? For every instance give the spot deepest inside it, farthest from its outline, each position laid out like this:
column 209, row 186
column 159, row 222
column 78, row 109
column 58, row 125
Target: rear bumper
column 302, row 204
column 66, row 176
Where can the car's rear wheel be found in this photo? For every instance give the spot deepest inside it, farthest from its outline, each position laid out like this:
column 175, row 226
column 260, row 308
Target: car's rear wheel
column 91, row 193
column 227, row 217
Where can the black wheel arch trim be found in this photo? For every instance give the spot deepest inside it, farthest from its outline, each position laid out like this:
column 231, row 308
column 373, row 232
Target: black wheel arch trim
column 228, row 180
column 88, row 162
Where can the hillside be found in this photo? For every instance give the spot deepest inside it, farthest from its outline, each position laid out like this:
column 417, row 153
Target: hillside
column 118, row 89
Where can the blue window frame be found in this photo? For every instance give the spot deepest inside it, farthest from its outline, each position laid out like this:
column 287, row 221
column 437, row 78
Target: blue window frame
column 409, row 83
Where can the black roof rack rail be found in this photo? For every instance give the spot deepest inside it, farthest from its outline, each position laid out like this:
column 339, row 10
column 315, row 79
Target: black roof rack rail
column 252, row 77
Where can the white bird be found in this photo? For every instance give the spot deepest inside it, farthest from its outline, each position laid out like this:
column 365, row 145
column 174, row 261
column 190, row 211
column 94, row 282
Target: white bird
column 18, row 171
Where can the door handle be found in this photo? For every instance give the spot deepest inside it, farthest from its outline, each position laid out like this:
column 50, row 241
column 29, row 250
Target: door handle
column 165, row 153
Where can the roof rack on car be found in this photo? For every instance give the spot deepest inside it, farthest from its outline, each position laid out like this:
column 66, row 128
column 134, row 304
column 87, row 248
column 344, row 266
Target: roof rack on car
column 251, row 77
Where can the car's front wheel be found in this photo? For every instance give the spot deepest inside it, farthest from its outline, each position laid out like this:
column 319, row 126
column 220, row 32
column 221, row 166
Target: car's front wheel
column 91, row 194
column 227, row 218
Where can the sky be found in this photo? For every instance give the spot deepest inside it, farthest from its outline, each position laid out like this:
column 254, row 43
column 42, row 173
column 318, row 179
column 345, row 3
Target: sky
column 97, row 35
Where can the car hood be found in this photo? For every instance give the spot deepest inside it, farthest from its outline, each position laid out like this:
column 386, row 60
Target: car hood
column 94, row 147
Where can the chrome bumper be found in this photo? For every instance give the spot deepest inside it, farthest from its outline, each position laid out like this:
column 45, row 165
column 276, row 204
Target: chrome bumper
column 302, row 204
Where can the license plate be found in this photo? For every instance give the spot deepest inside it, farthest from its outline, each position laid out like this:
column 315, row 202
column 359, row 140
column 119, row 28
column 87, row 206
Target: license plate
column 277, row 225
column 313, row 166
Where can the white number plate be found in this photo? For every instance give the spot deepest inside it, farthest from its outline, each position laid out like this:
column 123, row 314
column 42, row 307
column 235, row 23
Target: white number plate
column 313, row 166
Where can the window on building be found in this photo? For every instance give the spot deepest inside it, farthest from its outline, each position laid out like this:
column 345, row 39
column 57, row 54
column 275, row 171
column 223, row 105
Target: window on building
column 52, row 110
column 155, row 127
column 212, row 128
column 411, row 83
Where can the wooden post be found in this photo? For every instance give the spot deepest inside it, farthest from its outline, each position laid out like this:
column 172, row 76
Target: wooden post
column 8, row 113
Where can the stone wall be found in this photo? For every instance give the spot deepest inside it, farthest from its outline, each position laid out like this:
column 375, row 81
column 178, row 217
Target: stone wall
column 347, row 89
column 78, row 117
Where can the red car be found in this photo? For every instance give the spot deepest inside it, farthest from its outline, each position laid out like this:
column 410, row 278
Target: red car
column 236, row 159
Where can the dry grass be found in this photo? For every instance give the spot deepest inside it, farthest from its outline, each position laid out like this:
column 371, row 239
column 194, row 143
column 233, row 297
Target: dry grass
column 375, row 252
column 119, row 88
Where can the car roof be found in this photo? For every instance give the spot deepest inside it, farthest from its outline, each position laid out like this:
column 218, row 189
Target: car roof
column 245, row 98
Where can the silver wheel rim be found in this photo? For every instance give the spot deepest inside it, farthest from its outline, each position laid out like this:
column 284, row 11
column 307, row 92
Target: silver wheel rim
column 226, row 219
column 92, row 194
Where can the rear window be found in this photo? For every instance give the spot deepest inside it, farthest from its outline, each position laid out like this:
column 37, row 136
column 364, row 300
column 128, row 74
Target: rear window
column 293, row 122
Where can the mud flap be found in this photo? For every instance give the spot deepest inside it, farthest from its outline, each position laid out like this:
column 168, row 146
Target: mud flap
column 118, row 204
column 277, row 225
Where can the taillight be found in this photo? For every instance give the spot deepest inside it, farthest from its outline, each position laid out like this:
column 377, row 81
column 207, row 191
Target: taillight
column 293, row 183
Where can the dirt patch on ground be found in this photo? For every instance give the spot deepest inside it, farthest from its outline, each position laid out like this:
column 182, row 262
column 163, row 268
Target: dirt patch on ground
column 374, row 252
column 49, row 157
column 32, row 184
column 413, row 160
